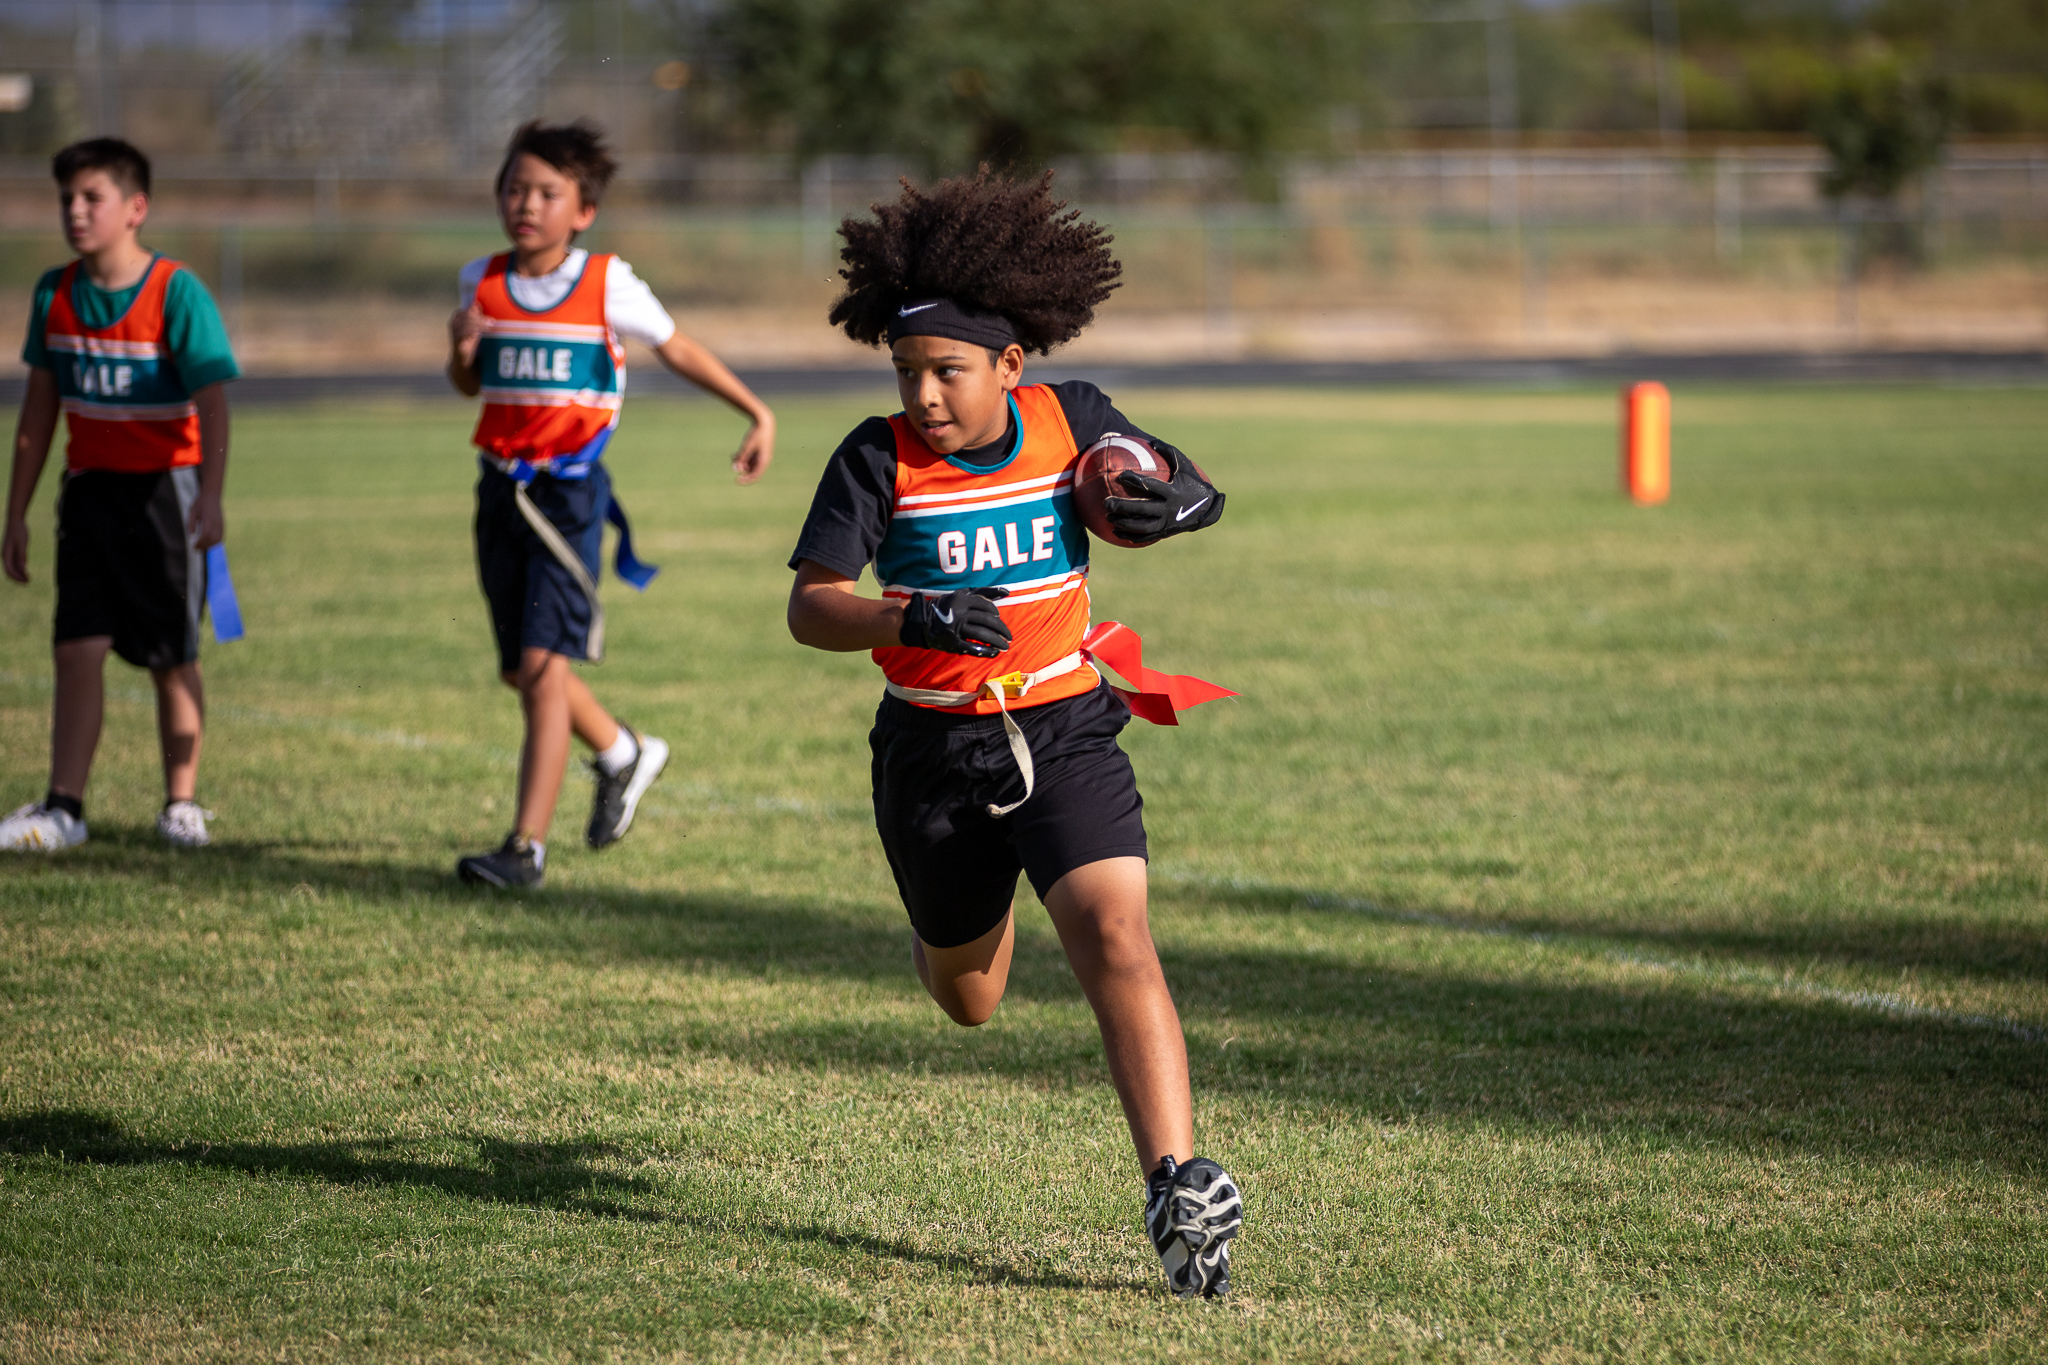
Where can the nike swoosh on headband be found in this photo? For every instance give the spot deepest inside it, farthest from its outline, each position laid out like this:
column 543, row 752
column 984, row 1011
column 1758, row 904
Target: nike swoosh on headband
column 1187, row 512
column 918, row 308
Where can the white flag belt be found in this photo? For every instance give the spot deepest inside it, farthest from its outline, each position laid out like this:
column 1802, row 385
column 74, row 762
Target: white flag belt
column 1010, row 687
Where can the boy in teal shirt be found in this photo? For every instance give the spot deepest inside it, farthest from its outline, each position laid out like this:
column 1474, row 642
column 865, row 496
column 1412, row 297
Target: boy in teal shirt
column 129, row 348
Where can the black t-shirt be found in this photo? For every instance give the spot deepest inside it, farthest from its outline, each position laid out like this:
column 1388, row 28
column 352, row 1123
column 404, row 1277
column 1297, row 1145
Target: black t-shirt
column 857, row 494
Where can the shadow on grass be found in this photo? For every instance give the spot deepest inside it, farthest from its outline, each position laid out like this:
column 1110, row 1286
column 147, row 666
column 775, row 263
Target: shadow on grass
column 1530, row 1041
column 1893, row 942
column 561, row 1177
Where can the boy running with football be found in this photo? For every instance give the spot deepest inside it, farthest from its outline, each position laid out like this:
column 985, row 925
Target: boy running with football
column 538, row 335
column 995, row 748
column 127, row 344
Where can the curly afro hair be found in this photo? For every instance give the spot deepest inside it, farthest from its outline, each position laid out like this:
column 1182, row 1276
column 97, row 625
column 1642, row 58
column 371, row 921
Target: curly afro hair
column 988, row 243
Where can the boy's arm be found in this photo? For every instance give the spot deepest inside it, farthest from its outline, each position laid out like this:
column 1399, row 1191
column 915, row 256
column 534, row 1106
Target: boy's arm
column 465, row 330
column 206, row 524
column 826, row 613
column 32, row 434
column 1154, row 509
column 1158, row 508
column 690, row 360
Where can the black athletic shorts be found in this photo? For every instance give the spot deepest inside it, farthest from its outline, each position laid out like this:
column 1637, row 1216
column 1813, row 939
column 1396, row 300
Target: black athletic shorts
column 936, row 774
column 536, row 603
column 126, row 566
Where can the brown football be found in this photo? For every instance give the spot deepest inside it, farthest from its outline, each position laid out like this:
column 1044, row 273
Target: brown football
column 1095, row 480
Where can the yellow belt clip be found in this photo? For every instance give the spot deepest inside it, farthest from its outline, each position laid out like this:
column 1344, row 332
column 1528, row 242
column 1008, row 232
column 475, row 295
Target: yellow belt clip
column 1013, row 685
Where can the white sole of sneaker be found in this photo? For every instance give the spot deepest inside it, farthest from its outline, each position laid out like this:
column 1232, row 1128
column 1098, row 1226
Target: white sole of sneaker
column 35, row 842
column 653, row 758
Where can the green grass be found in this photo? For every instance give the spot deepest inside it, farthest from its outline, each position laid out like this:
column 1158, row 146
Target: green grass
column 1601, row 932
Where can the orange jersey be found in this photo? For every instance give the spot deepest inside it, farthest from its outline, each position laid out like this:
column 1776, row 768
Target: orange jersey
column 552, row 380
column 124, row 404
column 1012, row 526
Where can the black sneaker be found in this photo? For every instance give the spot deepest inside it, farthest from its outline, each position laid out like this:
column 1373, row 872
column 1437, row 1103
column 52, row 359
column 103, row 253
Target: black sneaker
column 1191, row 1213
column 618, row 794
column 517, row 863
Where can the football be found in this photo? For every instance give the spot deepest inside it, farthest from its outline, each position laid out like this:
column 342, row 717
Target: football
column 1095, row 480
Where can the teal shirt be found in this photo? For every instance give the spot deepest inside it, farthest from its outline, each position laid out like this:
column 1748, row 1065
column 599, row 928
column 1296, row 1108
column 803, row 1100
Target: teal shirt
column 193, row 334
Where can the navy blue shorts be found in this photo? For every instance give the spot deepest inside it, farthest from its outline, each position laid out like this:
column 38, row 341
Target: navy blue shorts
column 536, row 603
column 936, row 775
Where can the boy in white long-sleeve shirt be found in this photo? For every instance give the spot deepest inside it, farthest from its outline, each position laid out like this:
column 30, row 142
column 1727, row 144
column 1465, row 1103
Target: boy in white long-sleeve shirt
column 538, row 336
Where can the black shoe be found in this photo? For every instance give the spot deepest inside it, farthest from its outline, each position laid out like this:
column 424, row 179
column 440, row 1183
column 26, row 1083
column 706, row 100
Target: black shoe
column 618, row 794
column 517, row 863
column 1191, row 1213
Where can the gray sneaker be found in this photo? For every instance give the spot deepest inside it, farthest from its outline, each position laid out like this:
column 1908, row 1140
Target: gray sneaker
column 515, row 864
column 618, row 794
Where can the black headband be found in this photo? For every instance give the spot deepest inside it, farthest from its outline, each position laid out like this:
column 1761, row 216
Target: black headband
column 945, row 318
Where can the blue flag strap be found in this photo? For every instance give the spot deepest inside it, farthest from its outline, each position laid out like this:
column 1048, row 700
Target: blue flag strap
column 628, row 565
column 220, row 597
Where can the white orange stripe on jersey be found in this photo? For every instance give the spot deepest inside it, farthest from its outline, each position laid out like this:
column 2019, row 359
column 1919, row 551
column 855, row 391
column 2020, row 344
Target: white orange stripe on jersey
column 547, row 331
column 108, row 412
column 71, row 344
column 553, row 398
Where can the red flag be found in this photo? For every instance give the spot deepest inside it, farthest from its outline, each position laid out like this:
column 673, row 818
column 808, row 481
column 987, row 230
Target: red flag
column 1158, row 694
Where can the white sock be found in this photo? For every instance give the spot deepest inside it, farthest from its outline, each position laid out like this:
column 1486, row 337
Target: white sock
column 620, row 756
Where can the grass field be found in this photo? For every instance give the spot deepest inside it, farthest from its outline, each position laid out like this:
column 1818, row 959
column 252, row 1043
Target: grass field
column 1601, row 932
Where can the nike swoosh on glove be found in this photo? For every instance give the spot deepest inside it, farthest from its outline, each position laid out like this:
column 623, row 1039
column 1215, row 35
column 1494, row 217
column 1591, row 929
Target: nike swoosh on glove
column 1161, row 509
column 963, row 622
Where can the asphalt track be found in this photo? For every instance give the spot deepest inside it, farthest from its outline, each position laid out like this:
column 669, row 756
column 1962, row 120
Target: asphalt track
column 1761, row 367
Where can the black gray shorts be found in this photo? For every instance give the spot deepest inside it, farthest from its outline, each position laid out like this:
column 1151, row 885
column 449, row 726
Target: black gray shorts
column 126, row 566
column 936, row 774
column 536, row 603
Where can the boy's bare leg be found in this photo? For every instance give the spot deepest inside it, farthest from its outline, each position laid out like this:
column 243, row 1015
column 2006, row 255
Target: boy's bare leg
column 77, row 711
column 587, row 717
column 543, row 683
column 1099, row 911
column 180, row 723
column 968, row 980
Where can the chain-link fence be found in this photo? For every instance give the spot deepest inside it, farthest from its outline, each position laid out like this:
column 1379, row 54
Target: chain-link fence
column 761, row 230
column 317, row 168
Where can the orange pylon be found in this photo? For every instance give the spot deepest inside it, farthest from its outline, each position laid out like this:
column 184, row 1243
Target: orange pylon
column 1646, row 443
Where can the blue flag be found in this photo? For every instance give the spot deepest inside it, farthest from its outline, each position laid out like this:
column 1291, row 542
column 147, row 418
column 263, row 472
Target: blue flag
column 220, row 597
column 629, row 566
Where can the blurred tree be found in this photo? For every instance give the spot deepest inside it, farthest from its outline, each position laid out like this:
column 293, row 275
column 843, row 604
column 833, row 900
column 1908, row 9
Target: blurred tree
column 1785, row 87
column 1882, row 126
column 1775, row 65
column 377, row 25
column 1995, row 53
column 953, row 81
column 1734, row 21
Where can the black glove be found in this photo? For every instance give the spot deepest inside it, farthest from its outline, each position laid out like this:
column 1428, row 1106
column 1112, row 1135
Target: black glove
column 1158, row 510
column 964, row 622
